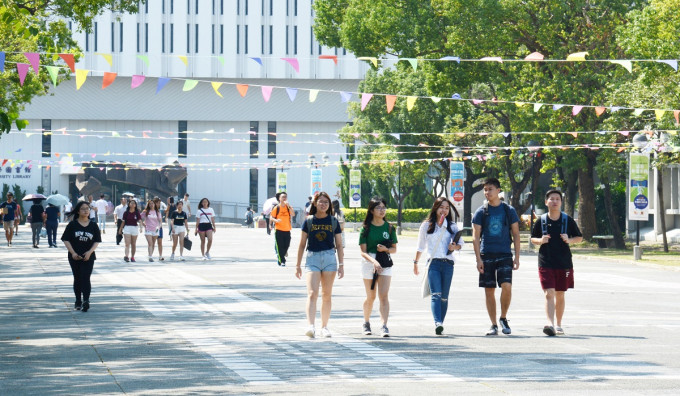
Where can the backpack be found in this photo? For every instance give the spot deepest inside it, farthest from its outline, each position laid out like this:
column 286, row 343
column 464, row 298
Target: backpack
column 506, row 207
column 334, row 225
column 249, row 217
column 544, row 223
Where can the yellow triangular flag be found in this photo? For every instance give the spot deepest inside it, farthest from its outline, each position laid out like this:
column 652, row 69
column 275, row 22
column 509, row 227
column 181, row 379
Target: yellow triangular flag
column 312, row 94
column 107, row 57
column 81, row 76
column 371, row 59
column 628, row 65
column 577, row 56
column 659, row 113
column 519, row 104
column 216, row 86
column 189, row 85
column 410, row 102
column 183, row 59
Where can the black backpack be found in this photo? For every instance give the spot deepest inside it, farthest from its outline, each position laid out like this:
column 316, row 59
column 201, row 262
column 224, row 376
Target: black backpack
column 544, row 223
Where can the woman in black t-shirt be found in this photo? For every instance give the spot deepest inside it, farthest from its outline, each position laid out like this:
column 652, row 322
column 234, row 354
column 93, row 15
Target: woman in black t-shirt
column 322, row 236
column 81, row 237
column 179, row 229
column 37, row 213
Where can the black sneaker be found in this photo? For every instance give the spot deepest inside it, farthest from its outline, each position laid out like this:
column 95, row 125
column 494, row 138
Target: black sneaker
column 505, row 326
column 549, row 331
column 493, row 330
column 78, row 305
column 367, row 328
column 86, row 306
column 438, row 329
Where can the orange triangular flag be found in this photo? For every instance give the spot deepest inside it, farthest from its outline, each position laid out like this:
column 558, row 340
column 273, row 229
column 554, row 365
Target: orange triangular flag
column 389, row 101
column 70, row 61
column 675, row 114
column 242, row 89
column 599, row 110
column 574, row 134
column 108, row 79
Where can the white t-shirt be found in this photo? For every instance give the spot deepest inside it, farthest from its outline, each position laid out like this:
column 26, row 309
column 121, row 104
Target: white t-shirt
column 68, row 207
column 92, row 211
column 101, row 206
column 185, row 206
column 205, row 218
column 119, row 211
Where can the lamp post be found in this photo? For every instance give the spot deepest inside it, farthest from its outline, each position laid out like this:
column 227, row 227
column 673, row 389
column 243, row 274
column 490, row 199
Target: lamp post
column 355, row 165
column 534, row 147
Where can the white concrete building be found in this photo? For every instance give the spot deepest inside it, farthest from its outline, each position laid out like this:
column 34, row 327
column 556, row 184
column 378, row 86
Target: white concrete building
column 208, row 134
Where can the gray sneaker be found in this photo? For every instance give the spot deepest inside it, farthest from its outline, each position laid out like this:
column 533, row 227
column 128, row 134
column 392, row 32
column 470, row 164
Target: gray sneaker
column 384, row 331
column 493, row 330
column 367, row 328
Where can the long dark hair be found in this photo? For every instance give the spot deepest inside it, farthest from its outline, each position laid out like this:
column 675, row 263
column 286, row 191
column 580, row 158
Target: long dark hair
column 76, row 210
column 200, row 203
column 136, row 206
column 336, row 207
column 375, row 201
column 313, row 210
column 432, row 217
column 155, row 207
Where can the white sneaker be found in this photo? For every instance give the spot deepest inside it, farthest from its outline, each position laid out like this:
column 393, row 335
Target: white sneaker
column 181, row 258
column 325, row 332
column 204, row 258
column 384, row 331
column 207, row 256
column 172, row 257
column 311, row 333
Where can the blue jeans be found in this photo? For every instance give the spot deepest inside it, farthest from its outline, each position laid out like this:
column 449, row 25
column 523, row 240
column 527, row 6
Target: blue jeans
column 51, row 227
column 439, row 275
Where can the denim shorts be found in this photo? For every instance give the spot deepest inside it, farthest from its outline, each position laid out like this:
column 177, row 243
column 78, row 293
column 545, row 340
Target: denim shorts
column 323, row 261
column 497, row 270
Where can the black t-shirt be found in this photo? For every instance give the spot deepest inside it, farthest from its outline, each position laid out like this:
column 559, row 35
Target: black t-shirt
column 37, row 211
column 178, row 218
column 555, row 253
column 82, row 238
column 321, row 237
column 52, row 213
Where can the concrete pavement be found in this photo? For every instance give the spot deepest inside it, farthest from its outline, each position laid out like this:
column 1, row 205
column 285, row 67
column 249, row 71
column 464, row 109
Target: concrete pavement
column 235, row 325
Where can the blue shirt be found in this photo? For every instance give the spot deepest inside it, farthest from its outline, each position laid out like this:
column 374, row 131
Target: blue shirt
column 11, row 208
column 52, row 213
column 495, row 228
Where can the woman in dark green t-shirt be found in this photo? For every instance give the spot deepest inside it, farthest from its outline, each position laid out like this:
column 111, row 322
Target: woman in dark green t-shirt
column 371, row 240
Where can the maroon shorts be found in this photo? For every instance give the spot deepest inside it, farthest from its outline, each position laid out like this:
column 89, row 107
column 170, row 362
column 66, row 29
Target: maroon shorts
column 554, row 278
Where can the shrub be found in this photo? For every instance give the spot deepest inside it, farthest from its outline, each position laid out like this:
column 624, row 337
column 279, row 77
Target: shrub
column 407, row 215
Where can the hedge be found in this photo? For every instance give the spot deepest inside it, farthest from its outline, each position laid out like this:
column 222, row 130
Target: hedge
column 407, row 215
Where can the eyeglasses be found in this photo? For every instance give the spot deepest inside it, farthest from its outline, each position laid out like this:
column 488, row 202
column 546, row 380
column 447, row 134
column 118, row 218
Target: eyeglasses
column 380, row 208
column 323, row 203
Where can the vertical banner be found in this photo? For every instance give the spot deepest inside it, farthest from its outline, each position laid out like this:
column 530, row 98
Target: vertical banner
column 638, row 184
column 316, row 181
column 355, row 188
column 457, row 177
column 281, row 181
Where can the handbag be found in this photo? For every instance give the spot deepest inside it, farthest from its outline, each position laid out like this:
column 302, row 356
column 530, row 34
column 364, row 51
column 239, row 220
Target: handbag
column 425, row 285
column 187, row 242
column 384, row 259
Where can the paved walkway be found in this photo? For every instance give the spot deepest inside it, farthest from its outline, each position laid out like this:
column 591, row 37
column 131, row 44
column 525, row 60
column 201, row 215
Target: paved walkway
column 235, row 325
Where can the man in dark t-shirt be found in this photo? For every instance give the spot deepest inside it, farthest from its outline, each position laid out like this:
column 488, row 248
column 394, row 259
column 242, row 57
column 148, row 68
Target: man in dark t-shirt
column 553, row 233
column 8, row 213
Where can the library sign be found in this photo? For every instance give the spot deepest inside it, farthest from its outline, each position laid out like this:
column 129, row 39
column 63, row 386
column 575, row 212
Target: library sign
column 9, row 174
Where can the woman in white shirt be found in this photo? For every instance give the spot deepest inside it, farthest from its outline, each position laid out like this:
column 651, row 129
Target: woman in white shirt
column 437, row 235
column 205, row 226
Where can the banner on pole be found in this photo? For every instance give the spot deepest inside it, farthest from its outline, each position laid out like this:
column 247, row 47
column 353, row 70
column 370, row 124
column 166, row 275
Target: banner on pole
column 281, row 182
column 355, row 188
column 316, row 181
column 457, row 178
column 638, row 184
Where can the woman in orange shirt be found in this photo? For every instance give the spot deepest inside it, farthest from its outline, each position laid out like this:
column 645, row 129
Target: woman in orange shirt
column 281, row 216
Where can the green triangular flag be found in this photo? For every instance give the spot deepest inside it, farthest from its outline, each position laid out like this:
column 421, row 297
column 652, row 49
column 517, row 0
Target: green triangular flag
column 189, row 85
column 144, row 58
column 54, row 73
column 221, row 59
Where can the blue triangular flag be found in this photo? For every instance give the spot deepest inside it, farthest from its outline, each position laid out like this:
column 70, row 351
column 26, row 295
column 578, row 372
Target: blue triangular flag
column 557, row 106
column 456, row 96
column 18, row 151
column 162, row 81
column 258, row 60
column 451, row 58
column 2, row 61
column 345, row 96
column 292, row 92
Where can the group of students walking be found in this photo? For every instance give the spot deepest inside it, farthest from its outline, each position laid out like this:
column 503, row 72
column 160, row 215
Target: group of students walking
column 495, row 229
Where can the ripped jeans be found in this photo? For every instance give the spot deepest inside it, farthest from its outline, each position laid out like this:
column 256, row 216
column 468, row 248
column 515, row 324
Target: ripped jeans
column 440, row 274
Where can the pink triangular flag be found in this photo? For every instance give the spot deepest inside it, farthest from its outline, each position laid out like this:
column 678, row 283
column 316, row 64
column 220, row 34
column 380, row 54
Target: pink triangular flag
column 599, row 110
column 534, row 56
column 389, row 101
column 365, row 98
column 22, row 69
column 267, row 92
column 293, row 62
column 576, row 109
column 34, row 58
column 137, row 80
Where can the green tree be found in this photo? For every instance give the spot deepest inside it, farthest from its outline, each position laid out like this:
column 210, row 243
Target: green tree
column 35, row 26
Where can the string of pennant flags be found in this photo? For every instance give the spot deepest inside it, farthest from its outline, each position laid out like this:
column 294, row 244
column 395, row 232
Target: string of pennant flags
column 345, row 96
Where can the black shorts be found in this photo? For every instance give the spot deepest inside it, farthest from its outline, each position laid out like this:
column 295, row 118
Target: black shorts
column 203, row 227
column 497, row 270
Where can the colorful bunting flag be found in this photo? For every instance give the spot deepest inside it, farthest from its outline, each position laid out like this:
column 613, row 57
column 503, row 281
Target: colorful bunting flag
column 365, row 98
column 22, row 69
column 70, row 61
column 628, row 65
column 221, row 59
column 638, row 112
column 258, row 60
column 189, row 85
column 293, row 62
column 34, row 58
column 435, row 99
column 107, row 57
column 600, row 110
column 345, row 96
column 333, row 57
column 242, row 89
column 137, row 80
column 267, row 92
column 145, row 59
column 456, row 96
column 162, row 81
column 670, row 62
column 576, row 109
column 108, row 79
column 313, row 94
column 216, row 87
column 557, row 106
column 371, row 59
column 534, row 56
column 81, row 76
column 676, row 113
column 537, row 106
column 410, row 102
column 389, row 102
column 659, row 114
column 451, row 58
column 53, row 71
column 292, row 93
column 577, row 56
column 2, row 61
column 184, row 60
column 492, row 59
column 412, row 61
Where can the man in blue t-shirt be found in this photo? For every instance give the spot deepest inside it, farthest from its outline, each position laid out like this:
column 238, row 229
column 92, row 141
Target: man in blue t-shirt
column 492, row 225
column 8, row 210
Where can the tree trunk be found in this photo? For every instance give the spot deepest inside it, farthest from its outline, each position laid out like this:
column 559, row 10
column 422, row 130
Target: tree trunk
column 570, row 192
column 661, row 210
column 619, row 242
column 586, row 202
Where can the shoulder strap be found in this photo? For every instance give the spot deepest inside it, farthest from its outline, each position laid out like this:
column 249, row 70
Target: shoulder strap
column 334, row 225
column 544, row 223
column 277, row 210
column 564, row 223
column 309, row 223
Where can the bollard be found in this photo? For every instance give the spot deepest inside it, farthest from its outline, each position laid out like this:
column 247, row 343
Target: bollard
column 398, row 230
column 637, row 252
